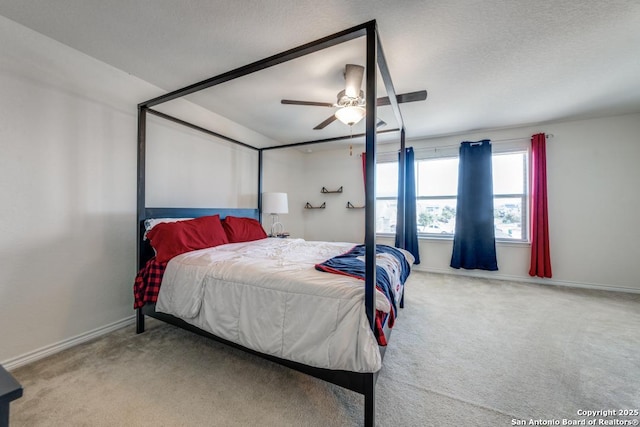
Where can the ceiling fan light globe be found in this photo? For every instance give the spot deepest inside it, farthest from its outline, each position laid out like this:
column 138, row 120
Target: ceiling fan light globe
column 350, row 115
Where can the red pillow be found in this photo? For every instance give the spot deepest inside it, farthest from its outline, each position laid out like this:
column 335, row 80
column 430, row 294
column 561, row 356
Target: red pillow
column 243, row 229
column 170, row 239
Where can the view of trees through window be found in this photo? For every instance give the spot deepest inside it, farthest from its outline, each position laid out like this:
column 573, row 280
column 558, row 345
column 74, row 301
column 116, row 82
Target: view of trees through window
column 436, row 190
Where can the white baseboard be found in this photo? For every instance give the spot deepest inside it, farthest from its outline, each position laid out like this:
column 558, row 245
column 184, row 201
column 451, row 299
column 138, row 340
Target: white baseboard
column 536, row 280
column 43, row 352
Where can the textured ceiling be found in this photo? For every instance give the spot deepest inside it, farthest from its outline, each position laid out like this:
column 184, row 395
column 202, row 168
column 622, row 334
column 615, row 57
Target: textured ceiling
column 486, row 64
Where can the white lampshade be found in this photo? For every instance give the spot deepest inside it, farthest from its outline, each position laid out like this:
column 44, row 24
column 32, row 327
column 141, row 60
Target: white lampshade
column 275, row 203
column 350, row 115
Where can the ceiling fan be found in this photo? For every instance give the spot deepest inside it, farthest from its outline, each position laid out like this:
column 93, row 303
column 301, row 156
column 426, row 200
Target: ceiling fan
column 351, row 101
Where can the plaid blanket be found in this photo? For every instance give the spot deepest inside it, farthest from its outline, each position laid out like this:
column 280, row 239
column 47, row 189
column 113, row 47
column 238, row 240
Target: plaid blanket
column 147, row 283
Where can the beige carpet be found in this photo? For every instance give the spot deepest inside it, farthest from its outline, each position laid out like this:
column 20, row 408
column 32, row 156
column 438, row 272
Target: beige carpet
column 464, row 352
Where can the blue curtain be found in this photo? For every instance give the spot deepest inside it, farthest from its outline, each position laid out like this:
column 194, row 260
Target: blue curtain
column 409, row 220
column 474, row 243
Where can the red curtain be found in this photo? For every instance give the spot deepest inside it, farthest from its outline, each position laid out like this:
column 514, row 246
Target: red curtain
column 540, row 257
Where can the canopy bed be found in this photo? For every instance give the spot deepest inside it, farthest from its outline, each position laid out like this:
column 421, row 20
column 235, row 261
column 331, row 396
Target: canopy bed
column 358, row 374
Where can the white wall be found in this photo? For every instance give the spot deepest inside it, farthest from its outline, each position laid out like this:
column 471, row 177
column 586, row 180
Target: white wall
column 67, row 251
column 281, row 168
column 68, row 129
column 333, row 169
column 187, row 168
column 593, row 175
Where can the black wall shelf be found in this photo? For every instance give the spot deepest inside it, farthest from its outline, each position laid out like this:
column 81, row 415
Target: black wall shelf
column 351, row 206
column 308, row 206
column 325, row 191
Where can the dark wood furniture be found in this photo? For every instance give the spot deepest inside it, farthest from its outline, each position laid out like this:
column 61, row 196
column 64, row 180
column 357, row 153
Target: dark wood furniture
column 375, row 65
column 10, row 390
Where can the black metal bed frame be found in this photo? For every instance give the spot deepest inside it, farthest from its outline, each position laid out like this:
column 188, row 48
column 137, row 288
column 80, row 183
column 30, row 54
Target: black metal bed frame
column 363, row 383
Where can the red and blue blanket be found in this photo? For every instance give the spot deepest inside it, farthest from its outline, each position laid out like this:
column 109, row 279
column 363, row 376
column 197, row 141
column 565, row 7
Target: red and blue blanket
column 388, row 277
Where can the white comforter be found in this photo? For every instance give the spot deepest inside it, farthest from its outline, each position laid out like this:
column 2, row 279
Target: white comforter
column 266, row 295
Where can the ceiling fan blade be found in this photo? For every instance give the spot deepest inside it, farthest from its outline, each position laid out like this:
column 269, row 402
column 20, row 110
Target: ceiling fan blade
column 420, row 95
column 383, row 101
column 353, row 75
column 310, row 103
column 322, row 125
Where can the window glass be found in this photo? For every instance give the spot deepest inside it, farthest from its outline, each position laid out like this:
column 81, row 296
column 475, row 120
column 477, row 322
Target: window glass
column 507, row 215
column 508, row 173
column 438, row 177
column 387, row 179
column 386, row 215
column 436, row 216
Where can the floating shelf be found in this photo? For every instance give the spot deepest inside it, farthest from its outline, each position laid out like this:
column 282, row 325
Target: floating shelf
column 322, row 206
column 350, row 206
column 325, row 191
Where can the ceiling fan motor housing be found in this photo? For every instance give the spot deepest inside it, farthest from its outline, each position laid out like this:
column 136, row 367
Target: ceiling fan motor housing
column 345, row 100
column 352, row 96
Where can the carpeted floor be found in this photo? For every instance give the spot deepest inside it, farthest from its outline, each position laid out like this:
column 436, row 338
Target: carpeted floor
column 464, row 352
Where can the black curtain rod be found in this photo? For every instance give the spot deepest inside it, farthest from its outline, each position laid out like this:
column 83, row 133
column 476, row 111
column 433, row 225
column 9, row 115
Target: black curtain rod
column 493, row 141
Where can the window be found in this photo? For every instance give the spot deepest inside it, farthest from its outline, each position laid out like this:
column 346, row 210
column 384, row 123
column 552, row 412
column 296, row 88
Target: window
column 436, row 189
column 436, row 196
column 510, row 186
column 386, row 197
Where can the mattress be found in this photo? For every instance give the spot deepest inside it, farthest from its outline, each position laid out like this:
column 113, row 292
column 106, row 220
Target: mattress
column 266, row 295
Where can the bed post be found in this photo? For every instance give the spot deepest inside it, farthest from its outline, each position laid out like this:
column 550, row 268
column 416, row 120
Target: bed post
column 370, row 170
column 369, row 400
column 139, row 321
column 391, row 93
column 260, row 171
column 370, row 210
column 142, row 142
column 401, row 197
column 402, row 173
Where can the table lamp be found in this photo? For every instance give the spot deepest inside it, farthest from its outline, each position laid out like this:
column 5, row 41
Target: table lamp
column 274, row 204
